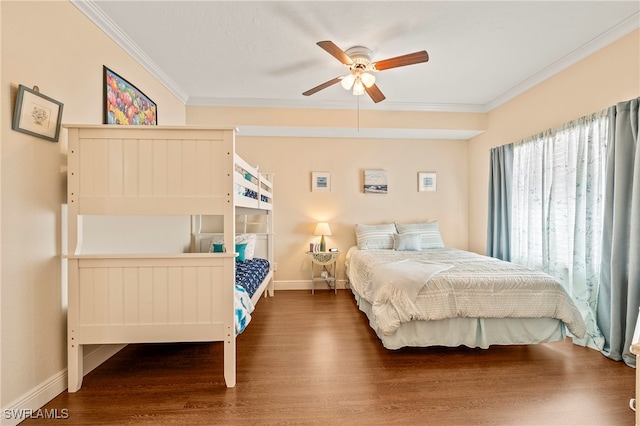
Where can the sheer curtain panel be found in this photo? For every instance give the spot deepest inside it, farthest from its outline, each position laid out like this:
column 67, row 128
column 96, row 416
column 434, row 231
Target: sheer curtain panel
column 557, row 205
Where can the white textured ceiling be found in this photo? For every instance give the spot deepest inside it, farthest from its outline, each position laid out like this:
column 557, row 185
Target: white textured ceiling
column 264, row 53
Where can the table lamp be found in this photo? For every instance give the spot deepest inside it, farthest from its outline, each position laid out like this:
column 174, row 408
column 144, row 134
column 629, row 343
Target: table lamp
column 322, row 228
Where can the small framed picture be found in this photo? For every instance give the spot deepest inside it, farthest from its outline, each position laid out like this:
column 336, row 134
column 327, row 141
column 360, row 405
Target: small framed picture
column 426, row 181
column 320, row 181
column 36, row 114
column 124, row 103
column 375, row 182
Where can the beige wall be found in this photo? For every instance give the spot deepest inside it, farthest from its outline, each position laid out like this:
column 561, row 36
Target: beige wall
column 609, row 76
column 51, row 45
column 598, row 81
column 297, row 209
column 345, row 119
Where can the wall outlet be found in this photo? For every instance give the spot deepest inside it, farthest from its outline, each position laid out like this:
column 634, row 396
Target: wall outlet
column 275, row 266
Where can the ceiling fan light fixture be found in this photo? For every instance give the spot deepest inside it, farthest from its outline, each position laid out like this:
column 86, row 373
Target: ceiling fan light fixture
column 360, row 79
column 347, row 81
column 367, row 79
column 358, row 87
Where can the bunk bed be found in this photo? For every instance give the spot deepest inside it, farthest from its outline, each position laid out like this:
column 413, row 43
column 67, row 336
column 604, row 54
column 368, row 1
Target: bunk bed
column 155, row 296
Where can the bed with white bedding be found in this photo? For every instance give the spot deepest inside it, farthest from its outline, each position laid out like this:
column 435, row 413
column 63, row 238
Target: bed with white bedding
column 417, row 292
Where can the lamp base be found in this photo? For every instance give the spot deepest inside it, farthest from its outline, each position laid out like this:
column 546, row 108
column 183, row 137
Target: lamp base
column 323, row 244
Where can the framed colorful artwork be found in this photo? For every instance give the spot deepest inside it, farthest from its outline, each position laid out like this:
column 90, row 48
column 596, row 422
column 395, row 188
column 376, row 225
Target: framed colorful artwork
column 125, row 104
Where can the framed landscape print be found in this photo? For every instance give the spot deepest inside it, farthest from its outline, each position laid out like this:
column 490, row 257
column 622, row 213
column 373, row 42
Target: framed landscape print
column 426, row 181
column 125, row 104
column 320, row 181
column 375, row 182
column 36, row 114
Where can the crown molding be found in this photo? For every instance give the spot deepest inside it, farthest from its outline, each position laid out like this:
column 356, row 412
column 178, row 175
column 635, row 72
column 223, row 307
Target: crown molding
column 95, row 14
column 102, row 21
column 615, row 33
column 333, row 104
column 356, row 133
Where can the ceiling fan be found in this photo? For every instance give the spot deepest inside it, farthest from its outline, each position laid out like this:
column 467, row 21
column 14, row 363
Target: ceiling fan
column 360, row 78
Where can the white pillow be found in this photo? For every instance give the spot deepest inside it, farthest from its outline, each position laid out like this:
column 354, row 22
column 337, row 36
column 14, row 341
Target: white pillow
column 428, row 231
column 375, row 236
column 407, row 242
column 250, row 241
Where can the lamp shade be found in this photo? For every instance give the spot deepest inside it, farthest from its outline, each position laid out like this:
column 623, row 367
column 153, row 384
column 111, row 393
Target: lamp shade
column 347, row 81
column 358, row 87
column 367, row 79
column 322, row 228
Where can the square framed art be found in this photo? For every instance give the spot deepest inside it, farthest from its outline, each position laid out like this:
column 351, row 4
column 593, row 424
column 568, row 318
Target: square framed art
column 320, row 181
column 36, row 114
column 426, row 181
column 375, row 182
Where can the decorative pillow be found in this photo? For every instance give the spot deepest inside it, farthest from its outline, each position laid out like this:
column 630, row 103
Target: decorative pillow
column 407, row 242
column 241, row 250
column 429, row 233
column 250, row 241
column 213, row 239
column 217, row 248
column 375, row 236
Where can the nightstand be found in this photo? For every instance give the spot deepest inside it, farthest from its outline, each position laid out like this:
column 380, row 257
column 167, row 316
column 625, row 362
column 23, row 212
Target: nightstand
column 323, row 268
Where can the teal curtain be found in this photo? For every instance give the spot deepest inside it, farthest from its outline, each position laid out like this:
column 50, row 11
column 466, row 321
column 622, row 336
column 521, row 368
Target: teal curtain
column 499, row 214
column 619, row 297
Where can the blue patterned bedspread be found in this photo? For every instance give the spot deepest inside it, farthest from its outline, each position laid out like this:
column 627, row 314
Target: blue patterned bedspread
column 242, row 309
column 249, row 275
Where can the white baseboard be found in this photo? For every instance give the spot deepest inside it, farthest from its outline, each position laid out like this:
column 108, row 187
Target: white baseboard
column 304, row 285
column 30, row 404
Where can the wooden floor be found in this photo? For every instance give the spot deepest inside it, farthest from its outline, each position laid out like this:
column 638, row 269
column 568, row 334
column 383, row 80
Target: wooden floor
column 313, row 360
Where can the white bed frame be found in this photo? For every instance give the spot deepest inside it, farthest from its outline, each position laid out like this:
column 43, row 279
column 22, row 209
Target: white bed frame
column 463, row 331
column 264, row 249
column 470, row 332
column 155, row 297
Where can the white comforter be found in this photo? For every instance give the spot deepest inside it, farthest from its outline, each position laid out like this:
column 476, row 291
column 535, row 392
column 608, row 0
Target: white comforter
column 464, row 284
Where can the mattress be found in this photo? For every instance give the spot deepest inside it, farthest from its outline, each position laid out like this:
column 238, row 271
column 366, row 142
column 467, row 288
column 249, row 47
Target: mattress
column 471, row 286
column 250, row 273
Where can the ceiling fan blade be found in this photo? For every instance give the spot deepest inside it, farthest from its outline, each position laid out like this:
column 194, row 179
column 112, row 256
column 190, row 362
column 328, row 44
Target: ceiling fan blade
column 322, row 86
column 335, row 51
column 375, row 94
column 401, row 61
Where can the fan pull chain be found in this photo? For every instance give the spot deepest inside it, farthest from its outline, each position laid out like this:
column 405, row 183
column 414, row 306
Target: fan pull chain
column 358, row 108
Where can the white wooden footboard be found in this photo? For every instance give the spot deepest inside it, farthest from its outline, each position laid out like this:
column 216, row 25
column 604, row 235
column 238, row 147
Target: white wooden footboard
column 145, row 299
